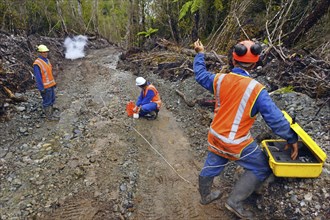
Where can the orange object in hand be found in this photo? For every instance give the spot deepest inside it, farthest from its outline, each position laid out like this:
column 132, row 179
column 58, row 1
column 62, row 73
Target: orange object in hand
column 130, row 108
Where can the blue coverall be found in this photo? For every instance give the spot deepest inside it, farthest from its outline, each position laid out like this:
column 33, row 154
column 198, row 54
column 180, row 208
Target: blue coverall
column 145, row 102
column 48, row 96
column 256, row 161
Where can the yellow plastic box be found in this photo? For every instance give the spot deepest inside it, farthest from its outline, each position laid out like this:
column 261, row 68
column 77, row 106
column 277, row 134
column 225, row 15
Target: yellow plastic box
column 310, row 158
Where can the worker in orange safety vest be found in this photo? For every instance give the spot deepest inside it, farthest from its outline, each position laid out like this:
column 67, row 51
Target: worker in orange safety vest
column 238, row 99
column 148, row 102
column 45, row 81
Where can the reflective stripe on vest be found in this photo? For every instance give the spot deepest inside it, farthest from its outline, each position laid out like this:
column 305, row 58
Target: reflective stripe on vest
column 218, row 90
column 239, row 114
column 230, row 140
column 229, row 132
column 224, row 152
column 47, row 76
column 156, row 98
column 41, row 64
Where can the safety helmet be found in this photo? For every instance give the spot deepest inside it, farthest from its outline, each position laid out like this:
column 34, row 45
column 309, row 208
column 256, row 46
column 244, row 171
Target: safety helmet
column 140, row 81
column 42, row 48
column 247, row 51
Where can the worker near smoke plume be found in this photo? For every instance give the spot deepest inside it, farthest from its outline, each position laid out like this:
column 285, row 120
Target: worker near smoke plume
column 45, row 81
column 238, row 99
column 148, row 102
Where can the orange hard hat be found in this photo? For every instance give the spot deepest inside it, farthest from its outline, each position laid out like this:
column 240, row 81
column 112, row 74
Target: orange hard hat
column 247, row 51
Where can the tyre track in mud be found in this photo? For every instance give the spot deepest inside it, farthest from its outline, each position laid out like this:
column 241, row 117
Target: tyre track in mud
column 92, row 164
column 83, row 97
column 167, row 192
column 158, row 191
column 109, row 170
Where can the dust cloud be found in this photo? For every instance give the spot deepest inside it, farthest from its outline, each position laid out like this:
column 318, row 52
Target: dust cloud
column 74, row 47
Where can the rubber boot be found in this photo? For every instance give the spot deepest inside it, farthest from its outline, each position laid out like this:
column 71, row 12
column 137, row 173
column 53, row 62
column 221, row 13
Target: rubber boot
column 243, row 188
column 54, row 115
column 55, row 108
column 49, row 115
column 152, row 115
column 205, row 184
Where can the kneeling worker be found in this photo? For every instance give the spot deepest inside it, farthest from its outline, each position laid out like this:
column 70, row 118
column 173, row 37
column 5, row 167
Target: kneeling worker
column 148, row 102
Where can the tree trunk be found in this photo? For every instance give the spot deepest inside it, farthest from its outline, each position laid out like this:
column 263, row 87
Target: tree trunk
column 79, row 8
column 132, row 27
column 60, row 14
column 96, row 19
column 320, row 10
column 73, row 9
column 172, row 23
column 5, row 10
column 194, row 34
column 143, row 16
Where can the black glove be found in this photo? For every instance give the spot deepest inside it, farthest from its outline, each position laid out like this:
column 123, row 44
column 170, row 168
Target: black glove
column 42, row 92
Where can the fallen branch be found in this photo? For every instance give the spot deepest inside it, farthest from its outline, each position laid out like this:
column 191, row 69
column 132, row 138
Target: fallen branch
column 318, row 111
column 240, row 26
column 218, row 57
column 188, row 102
column 190, row 70
column 190, row 52
column 11, row 95
column 201, row 102
column 186, row 72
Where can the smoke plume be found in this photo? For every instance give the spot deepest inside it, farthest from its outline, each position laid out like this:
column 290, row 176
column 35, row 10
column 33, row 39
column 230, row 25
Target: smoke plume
column 74, row 47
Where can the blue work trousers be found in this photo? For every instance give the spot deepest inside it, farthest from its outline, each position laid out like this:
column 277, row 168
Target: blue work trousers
column 146, row 108
column 48, row 98
column 256, row 161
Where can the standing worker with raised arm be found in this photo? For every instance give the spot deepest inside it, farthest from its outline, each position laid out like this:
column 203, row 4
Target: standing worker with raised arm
column 43, row 73
column 239, row 98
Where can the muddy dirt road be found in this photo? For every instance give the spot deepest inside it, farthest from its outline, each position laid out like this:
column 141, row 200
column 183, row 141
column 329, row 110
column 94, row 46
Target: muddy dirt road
column 96, row 163
column 148, row 160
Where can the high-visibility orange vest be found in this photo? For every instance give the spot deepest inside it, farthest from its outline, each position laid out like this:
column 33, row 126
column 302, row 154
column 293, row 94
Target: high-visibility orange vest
column 156, row 98
column 46, row 73
column 235, row 96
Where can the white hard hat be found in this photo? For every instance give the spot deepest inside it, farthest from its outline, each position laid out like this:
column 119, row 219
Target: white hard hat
column 140, row 81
